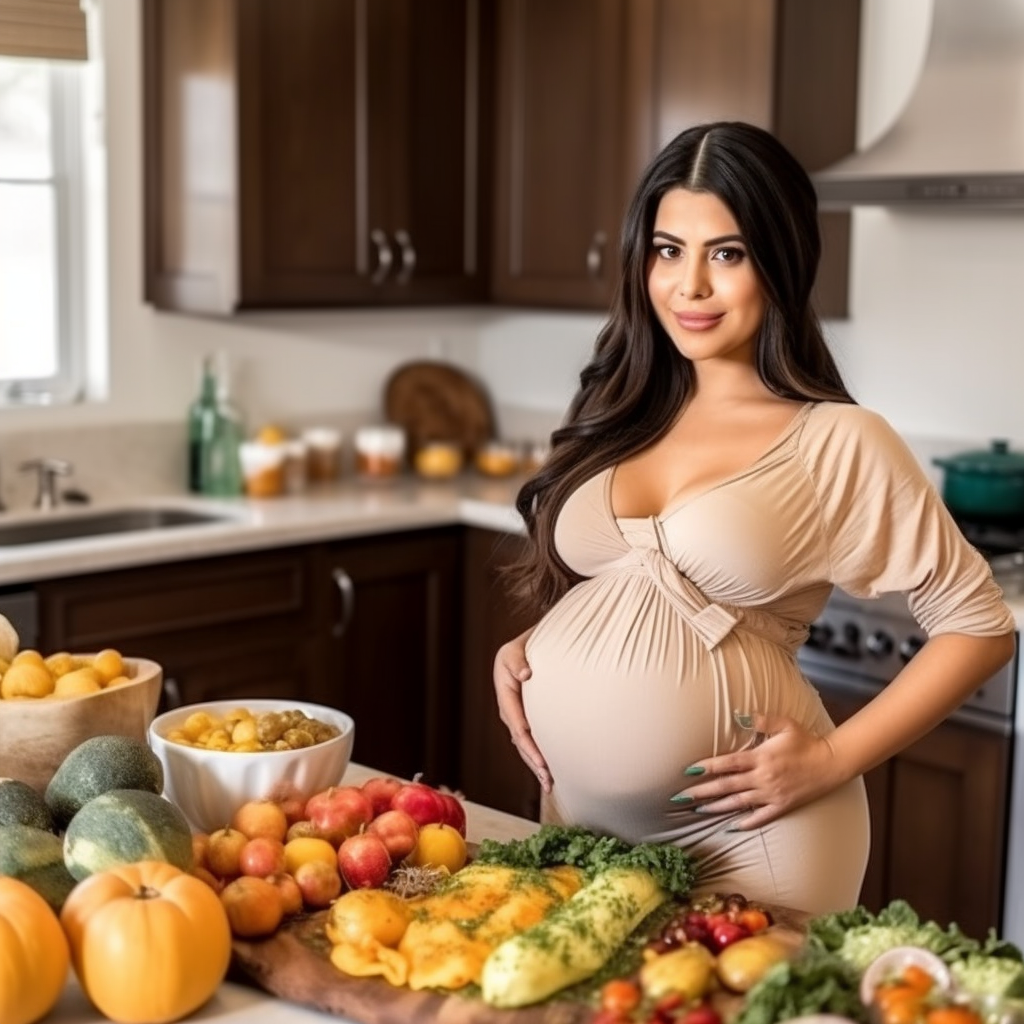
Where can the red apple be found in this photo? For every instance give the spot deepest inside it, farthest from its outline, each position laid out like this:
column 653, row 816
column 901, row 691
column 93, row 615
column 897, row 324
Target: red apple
column 339, row 812
column 291, row 800
column 454, row 813
column 261, row 857
column 379, row 790
column 364, row 861
column 421, row 802
column 319, row 883
column 397, row 831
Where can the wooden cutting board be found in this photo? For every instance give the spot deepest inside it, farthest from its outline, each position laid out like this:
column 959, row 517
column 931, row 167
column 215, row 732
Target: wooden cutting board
column 294, row 964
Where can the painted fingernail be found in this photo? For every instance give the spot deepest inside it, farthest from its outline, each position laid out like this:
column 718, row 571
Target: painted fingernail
column 694, row 769
column 742, row 720
column 681, row 798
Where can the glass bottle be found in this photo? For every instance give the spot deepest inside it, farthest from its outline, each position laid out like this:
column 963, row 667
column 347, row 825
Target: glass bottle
column 201, row 414
column 220, row 464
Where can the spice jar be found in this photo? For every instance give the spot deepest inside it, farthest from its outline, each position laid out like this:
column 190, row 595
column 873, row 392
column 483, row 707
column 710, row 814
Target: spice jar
column 323, row 454
column 438, row 460
column 379, row 451
column 262, row 468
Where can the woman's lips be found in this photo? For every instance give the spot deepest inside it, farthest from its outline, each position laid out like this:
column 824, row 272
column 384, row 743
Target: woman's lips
column 697, row 321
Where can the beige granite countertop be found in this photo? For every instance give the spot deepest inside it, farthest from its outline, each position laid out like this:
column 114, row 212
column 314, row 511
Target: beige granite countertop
column 351, row 508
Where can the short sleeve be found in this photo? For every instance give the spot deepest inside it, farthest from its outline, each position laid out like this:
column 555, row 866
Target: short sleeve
column 887, row 529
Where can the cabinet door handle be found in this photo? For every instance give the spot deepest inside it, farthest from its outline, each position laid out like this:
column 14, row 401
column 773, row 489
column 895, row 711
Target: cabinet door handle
column 172, row 693
column 347, row 590
column 408, row 255
column 384, row 255
column 595, row 254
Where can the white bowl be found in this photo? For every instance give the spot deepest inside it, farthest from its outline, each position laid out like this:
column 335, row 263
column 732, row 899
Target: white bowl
column 210, row 785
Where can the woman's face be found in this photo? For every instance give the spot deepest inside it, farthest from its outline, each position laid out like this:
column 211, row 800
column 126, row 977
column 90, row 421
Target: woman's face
column 701, row 280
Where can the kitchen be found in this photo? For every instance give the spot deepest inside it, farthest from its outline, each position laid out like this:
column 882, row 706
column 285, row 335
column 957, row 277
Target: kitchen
column 929, row 290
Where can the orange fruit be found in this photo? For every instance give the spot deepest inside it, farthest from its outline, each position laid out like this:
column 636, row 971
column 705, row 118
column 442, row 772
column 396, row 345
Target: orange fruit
column 439, row 845
column 26, row 678
column 78, row 683
column 255, row 906
column 303, row 849
column 109, row 664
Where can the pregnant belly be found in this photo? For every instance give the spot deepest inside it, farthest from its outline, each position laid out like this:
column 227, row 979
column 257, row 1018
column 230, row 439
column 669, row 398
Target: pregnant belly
column 623, row 696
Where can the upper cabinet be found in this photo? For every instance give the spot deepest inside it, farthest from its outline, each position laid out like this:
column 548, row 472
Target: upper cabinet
column 589, row 90
column 315, row 152
column 385, row 152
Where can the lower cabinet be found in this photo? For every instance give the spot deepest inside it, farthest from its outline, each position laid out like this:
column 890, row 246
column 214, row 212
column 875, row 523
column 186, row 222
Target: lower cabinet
column 390, row 607
column 491, row 770
column 938, row 819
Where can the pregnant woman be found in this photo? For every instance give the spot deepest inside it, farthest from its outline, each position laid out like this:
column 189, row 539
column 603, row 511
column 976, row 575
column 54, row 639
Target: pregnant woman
column 711, row 483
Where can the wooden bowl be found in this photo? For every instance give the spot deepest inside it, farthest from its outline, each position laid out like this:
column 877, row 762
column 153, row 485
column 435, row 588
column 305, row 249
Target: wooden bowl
column 36, row 735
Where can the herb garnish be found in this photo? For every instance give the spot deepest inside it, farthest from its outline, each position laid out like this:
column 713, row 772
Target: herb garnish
column 671, row 867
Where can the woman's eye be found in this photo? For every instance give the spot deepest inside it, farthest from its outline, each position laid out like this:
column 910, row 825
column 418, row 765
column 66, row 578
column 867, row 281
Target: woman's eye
column 729, row 255
column 667, row 251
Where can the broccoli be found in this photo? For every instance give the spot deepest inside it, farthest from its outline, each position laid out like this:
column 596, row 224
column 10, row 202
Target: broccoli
column 981, row 975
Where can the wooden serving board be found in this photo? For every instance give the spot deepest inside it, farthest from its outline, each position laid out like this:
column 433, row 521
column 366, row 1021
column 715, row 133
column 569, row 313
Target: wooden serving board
column 294, row 965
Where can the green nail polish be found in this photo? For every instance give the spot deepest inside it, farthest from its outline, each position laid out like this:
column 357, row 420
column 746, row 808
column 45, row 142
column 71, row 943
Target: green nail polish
column 743, row 721
column 694, row 769
column 681, row 798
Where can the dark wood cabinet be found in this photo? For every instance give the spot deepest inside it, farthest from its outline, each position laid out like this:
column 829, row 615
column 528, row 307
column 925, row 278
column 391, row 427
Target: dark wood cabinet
column 316, row 152
column 938, row 820
column 561, row 117
column 238, row 625
column 390, row 611
column 589, row 91
column 492, row 771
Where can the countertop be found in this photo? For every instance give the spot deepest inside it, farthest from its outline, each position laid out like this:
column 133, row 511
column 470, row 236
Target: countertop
column 245, row 1005
column 352, row 508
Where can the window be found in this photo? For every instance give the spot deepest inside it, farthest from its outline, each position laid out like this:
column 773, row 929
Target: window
column 49, row 226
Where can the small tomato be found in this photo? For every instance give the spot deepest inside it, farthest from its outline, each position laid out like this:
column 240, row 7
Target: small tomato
column 620, row 996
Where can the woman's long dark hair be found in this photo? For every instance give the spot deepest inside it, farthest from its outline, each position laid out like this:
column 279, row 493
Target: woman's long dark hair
column 636, row 379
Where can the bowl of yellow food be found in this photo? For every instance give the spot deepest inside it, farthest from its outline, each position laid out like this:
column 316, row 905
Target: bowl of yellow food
column 219, row 755
column 49, row 704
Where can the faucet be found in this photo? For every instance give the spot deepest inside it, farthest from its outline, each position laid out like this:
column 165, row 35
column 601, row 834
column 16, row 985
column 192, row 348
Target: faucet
column 48, row 470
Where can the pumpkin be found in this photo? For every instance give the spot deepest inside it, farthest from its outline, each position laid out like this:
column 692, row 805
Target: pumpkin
column 33, row 954
column 149, row 942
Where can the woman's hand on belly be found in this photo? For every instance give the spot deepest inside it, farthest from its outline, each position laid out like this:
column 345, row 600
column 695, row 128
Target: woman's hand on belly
column 790, row 767
column 511, row 671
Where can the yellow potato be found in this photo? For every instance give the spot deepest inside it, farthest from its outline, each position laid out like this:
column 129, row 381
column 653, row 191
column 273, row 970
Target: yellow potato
column 109, row 664
column 78, row 683
column 28, row 657
column 59, row 664
column 26, row 679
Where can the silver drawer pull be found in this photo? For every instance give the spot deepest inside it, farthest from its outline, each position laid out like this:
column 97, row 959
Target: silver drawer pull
column 595, row 254
column 408, row 255
column 384, row 255
column 347, row 590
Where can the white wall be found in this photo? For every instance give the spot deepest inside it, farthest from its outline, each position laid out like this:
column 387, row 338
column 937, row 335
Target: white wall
column 933, row 341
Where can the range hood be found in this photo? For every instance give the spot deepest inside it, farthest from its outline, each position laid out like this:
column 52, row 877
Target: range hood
column 959, row 140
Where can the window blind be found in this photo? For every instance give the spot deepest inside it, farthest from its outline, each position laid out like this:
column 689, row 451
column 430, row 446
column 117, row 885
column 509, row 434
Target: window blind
column 52, row 29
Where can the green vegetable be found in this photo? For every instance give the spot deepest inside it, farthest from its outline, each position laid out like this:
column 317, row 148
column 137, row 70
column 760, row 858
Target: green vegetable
column 672, row 868
column 989, row 975
column 573, row 941
column 815, row 982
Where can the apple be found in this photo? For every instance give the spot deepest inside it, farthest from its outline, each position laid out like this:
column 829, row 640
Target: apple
column 379, row 790
column 454, row 813
column 319, row 883
column 291, row 894
column 364, row 861
column 207, row 876
column 291, row 799
column 222, row 851
column 254, row 906
column 421, row 802
column 261, row 857
column 339, row 812
column 302, row 829
column 398, row 831
column 200, row 844
column 261, row 818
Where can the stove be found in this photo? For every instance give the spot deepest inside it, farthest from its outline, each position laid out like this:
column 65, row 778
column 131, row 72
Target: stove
column 1002, row 544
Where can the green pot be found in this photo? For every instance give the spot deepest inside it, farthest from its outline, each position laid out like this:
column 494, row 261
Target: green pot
column 984, row 484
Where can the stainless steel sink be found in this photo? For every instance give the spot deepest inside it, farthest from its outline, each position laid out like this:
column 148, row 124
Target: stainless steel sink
column 93, row 524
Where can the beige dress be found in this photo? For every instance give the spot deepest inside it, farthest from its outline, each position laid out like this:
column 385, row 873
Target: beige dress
column 688, row 616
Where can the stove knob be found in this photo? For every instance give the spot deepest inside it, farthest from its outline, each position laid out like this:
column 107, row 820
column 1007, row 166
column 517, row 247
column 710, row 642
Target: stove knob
column 848, row 645
column 820, row 636
column 878, row 644
column 910, row 646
